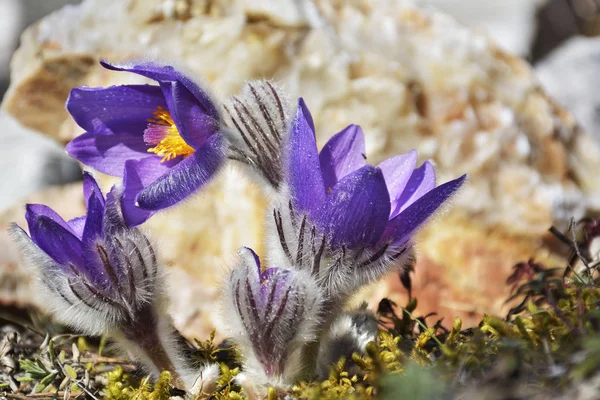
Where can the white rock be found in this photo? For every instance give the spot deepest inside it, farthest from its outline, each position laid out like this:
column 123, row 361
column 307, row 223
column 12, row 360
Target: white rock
column 511, row 23
column 30, row 161
column 571, row 74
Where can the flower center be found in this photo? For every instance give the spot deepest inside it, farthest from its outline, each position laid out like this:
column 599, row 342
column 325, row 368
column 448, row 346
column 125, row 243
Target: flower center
column 163, row 135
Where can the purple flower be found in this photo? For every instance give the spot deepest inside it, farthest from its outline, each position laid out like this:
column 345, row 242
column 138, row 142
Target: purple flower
column 162, row 139
column 345, row 222
column 275, row 314
column 93, row 263
column 356, row 205
column 101, row 277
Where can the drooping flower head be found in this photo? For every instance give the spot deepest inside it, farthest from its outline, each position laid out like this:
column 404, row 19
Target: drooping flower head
column 275, row 312
column 162, row 139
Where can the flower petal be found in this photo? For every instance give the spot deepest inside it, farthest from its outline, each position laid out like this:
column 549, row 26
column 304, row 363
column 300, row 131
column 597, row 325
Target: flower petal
column 137, row 176
column 303, row 168
column 421, row 181
column 397, row 171
column 91, row 188
column 107, row 153
column 342, row 154
column 95, row 207
column 116, row 109
column 77, row 225
column 193, row 123
column 56, row 241
column 184, row 178
column 404, row 225
column 356, row 211
column 34, row 211
column 93, row 222
column 167, row 73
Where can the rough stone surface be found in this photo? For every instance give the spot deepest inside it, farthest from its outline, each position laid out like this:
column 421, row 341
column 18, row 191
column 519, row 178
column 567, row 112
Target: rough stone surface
column 412, row 77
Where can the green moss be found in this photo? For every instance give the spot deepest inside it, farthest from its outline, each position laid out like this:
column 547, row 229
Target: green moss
column 119, row 387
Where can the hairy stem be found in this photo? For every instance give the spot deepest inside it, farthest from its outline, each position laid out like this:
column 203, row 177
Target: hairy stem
column 145, row 334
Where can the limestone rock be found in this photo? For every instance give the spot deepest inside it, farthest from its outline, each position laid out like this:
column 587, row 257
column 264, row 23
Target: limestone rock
column 410, row 76
column 29, row 162
column 576, row 59
column 511, row 23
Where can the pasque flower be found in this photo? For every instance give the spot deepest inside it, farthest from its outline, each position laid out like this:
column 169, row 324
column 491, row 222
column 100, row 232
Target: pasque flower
column 352, row 203
column 101, row 277
column 336, row 221
column 275, row 313
column 345, row 221
column 164, row 140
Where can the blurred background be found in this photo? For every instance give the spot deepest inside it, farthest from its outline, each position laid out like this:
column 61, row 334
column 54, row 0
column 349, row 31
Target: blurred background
column 551, row 34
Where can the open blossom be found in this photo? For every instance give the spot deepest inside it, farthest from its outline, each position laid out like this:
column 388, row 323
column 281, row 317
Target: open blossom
column 164, row 140
column 275, row 313
column 101, row 277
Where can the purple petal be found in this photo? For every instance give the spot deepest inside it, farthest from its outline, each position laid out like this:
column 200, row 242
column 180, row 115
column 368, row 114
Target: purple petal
column 167, row 73
column 34, row 211
column 93, row 222
column 193, row 123
column 185, row 178
column 421, row 181
column 95, row 208
column 91, row 188
column 397, row 171
column 342, row 154
column 356, row 211
column 116, row 109
column 304, row 171
column 404, row 225
column 137, row 176
column 77, row 225
column 107, row 153
column 56, row 241
column 245, row 251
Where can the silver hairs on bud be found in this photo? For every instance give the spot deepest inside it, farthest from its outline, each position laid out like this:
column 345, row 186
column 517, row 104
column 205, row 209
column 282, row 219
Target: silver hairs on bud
column 271, row 314
column 294, row 242
column 258, row 121
column 77, row 302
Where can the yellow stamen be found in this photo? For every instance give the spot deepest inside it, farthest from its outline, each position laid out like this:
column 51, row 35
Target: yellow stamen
column 172, row 144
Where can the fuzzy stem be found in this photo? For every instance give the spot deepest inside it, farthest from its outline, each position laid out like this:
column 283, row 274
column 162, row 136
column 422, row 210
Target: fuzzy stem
column 309, row 354
column 144, row 334
column 310, row 351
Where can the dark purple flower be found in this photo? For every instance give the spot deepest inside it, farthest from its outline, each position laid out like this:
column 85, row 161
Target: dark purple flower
column 276, row 314
column 94, row 261
column 162, row 139
column 100, row 277
column 356, row 205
